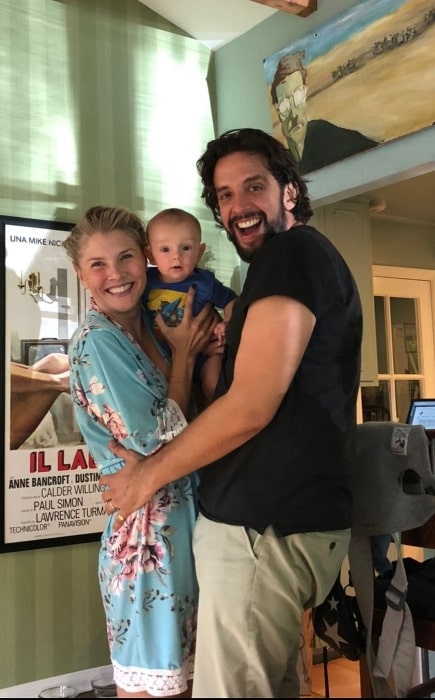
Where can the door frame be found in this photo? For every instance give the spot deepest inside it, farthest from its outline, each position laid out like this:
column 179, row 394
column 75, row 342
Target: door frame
column 404, row 273
column 410, row 273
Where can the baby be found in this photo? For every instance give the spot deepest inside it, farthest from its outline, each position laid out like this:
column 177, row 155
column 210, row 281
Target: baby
column 175, row 248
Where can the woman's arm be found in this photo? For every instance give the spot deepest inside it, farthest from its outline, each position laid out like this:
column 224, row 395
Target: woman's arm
column 117, row 392
column 187, row 339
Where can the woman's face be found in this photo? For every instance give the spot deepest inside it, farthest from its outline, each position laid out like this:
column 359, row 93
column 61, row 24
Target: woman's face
column 112, row 266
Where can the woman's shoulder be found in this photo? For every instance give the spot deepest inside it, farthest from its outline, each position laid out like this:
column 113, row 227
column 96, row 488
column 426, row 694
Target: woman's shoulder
column 94, row 324
column 93, row 320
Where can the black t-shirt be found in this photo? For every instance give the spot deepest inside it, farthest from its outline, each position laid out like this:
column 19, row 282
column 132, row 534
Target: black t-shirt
column 295, row 474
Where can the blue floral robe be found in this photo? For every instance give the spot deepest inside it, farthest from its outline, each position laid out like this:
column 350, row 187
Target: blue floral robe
column 146, row 569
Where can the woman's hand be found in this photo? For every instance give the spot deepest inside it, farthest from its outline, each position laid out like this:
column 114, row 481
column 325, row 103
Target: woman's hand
column 193, row 334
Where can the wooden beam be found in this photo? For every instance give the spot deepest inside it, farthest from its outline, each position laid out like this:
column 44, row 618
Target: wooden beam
column 303, row 8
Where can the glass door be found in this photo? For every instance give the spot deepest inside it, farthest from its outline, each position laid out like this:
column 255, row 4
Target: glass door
column 405, row 348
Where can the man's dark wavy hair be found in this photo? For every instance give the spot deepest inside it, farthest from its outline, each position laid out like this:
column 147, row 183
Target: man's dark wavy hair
column 256, row 142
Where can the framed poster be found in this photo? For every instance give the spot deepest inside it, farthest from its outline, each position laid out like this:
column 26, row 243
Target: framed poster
column 51, row 492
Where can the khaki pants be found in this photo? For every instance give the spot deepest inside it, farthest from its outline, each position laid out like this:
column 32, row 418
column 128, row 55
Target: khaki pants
column 253, row 592
column 305, row 658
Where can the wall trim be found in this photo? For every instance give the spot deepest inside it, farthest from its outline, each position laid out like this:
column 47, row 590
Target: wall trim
column 80, row 680
column 412, row 273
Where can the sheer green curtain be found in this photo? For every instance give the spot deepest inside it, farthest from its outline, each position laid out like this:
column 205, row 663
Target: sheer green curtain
column 99, row 107
column 99, row 104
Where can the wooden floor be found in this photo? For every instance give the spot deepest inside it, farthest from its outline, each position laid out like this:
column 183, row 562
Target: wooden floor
column 343, row 676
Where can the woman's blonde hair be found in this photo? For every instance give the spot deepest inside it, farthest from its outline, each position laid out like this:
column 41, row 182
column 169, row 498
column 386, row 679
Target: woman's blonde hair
column 103, row 220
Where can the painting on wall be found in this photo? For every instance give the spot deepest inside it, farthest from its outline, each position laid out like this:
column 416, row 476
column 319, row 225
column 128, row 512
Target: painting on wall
column 50, row 484
column 363, row 78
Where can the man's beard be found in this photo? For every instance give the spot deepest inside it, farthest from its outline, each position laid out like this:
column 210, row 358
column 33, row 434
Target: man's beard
column 271, row 228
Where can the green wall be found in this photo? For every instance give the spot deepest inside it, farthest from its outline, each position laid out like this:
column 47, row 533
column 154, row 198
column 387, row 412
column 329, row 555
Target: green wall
column 114, row 108
column 51, row 613
column 72, row 76
column 401, row 244
column 240, row 63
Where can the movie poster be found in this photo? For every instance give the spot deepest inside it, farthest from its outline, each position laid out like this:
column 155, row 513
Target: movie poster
column 50, row 482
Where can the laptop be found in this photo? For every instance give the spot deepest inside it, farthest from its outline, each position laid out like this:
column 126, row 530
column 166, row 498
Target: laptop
column 422, row 412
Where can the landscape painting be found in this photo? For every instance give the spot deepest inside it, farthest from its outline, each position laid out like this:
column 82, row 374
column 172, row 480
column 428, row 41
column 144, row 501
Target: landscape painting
column 365, row 77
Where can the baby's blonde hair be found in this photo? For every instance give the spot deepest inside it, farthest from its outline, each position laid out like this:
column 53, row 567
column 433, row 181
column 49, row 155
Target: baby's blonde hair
column 175, row 216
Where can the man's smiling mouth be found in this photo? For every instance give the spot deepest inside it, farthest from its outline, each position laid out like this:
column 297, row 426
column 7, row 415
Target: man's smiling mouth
column 248, row 223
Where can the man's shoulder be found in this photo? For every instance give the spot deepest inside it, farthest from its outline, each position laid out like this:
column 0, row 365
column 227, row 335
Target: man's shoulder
column 301, row 242
column 294, row 236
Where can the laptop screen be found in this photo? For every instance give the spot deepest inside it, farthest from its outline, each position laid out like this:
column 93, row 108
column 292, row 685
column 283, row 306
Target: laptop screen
column 422, row 412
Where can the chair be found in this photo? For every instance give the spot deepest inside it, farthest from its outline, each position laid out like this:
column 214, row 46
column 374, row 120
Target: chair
column 393, row 487
column 423, row 536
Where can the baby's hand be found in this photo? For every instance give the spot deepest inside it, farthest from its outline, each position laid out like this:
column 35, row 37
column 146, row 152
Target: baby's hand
column 220, row 331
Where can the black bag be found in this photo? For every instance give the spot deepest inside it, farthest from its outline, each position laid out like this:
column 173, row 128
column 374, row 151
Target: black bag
column 421, row 587
column 337, row 622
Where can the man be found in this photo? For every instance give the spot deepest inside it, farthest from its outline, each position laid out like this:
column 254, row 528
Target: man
column 312, row 143
column 277, row 442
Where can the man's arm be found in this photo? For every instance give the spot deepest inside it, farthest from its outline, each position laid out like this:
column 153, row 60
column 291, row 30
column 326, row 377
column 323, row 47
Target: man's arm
column 274, row 338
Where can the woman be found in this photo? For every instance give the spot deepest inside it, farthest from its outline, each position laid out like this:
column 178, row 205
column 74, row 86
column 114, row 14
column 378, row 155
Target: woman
column 123, row 387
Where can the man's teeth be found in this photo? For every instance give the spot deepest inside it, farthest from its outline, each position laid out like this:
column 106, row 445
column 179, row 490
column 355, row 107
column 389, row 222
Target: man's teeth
column 248, row 223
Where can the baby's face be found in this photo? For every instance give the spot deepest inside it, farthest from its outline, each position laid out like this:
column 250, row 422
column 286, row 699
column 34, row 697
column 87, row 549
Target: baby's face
column 175, row 248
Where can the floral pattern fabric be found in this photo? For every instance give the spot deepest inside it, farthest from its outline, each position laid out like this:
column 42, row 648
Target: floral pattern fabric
column 146, row 568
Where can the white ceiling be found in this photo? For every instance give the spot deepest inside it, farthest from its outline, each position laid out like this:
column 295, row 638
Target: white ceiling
column 409, row 201
column 213, row 22
column 216, row 22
